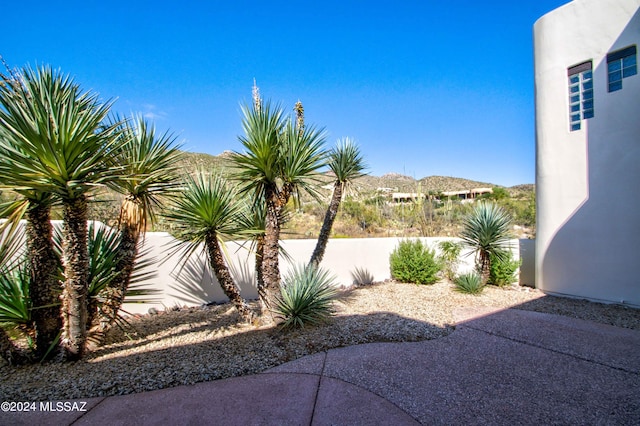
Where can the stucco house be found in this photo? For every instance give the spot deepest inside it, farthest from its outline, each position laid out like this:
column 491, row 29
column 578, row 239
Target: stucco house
column 587, row 92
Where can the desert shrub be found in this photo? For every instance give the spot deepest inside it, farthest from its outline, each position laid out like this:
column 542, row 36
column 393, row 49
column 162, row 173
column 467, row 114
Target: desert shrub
column 306, row 297
column 503, row 270
column 449, row 257
column 362, row 276
column 470, row 283
column 414, row 262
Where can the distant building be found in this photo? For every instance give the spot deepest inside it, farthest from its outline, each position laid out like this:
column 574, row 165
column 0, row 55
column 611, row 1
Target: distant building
column 471, row 194
column 463, row 195
column 406, row 197
column 588, row 150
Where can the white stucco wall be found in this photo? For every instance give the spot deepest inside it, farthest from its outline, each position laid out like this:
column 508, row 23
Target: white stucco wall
column 588, row 207
column 195, row 284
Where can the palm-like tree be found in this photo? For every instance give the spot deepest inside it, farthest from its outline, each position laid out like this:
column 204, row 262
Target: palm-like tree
column 150, row 164
column 280, row 161
column 207, row 212
column 35, row 206
column 346, row 163
column 59, row 146
column 487, row 231
column 42, row 266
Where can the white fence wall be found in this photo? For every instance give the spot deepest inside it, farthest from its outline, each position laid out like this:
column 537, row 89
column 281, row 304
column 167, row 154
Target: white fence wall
column 194, row 284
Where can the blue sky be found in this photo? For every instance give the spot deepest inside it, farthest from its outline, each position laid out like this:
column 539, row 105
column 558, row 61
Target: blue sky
column 425, row 87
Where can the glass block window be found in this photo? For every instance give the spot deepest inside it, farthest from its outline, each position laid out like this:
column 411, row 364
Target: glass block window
column 580, row 94
column 621, row 64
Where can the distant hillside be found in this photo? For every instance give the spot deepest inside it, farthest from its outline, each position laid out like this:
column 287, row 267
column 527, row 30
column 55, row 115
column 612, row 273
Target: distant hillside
column 393, row 181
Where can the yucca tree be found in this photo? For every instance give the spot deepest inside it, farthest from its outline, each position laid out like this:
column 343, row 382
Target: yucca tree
column 252, row 225
column 487, row 231
column 205, row 213
column 150, row 163
column 35, row 207
column 42, row 266
column 347, row 164
column 280, row 161
column 61, row 147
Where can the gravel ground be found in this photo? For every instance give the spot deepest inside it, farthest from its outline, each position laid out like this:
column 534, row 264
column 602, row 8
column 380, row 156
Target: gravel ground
column 199, row 344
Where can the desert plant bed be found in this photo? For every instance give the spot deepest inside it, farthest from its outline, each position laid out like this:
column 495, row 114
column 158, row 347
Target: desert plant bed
column 190, row 345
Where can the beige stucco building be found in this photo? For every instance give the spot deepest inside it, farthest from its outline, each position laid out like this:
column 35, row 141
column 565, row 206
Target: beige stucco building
column 588, row 150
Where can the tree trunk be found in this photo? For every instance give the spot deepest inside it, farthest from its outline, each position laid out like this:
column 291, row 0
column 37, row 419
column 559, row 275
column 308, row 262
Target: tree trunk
column 259, row 278
column 270, row 261
column 44, row 288
column 114, row 294
column 76, row 268
column 224, row 277
column 327, row 225
column 485, row 267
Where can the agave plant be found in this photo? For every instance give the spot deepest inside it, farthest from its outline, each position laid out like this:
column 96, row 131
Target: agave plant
column 16, row 307
column 306, row 297
column 487, row 231
column 470, row 283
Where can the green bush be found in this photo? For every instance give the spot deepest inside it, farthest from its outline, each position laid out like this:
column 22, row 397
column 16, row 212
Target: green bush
column 503, row 270
column 449, row 257
column 306, row 297
column 413, row 262
column 470, row 283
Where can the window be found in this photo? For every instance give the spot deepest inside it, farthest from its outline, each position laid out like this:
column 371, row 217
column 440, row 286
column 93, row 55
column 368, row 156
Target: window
column 621, row 64
column 580, row 94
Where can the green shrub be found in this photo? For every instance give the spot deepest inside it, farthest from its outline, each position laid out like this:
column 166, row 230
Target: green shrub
column 470, row 283
column 503, row 270
column 413, row 262
column 449, row 257
column 306, row 297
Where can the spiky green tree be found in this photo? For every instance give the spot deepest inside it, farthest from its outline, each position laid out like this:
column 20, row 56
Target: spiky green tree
column 487, row 231
column 205, row 213
column 60, row 146
column 279, row 162
column 35, row 207
column 347, row 164
column 150, row 172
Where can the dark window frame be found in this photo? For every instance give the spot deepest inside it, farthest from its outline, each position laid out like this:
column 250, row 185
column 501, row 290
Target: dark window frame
column 581, row 96
column 616, row 69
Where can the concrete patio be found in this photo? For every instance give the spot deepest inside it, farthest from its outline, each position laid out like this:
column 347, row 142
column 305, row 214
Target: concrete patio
column 497, row 367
